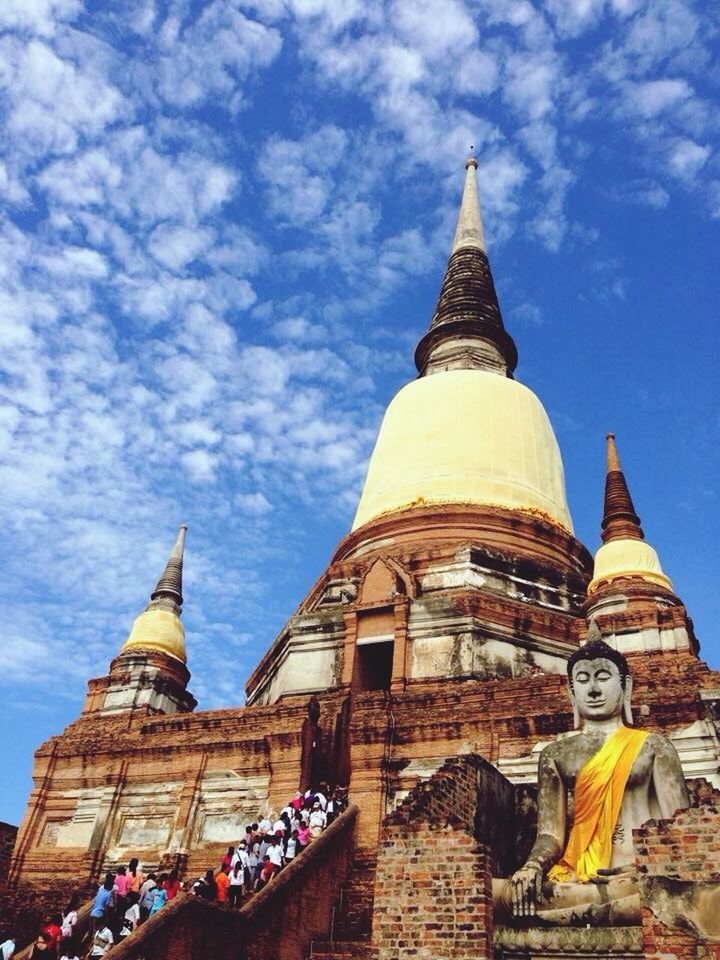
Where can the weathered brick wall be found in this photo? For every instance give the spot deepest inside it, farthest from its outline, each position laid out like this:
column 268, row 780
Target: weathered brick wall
column 186, row 929
column 438, row 852
column 433, row 894
column 276, row 924
column 8, row 833
column 470, row 791
column 677, row 859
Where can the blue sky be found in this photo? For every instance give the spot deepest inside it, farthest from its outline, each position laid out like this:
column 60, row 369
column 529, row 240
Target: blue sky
column 223, row 229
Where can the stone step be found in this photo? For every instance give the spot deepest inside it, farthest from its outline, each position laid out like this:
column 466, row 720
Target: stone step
column 342, row 950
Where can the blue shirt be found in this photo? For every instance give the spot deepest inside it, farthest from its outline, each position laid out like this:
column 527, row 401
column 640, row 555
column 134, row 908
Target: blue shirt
column 159, row 901
column 102, row 898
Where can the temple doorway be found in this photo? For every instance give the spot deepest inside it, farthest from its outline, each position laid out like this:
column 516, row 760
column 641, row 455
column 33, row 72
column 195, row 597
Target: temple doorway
column 373, row 665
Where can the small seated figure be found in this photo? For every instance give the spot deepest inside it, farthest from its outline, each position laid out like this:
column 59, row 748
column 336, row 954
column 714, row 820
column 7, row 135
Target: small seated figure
column 620, row 778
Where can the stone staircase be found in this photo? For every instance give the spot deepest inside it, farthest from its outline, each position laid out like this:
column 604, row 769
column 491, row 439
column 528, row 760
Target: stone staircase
column 351, row 927
column 464, row 794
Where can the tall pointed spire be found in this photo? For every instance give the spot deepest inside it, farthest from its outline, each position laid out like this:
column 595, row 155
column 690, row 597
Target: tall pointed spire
column 619, row 522
column 469, row 230
column 159, row 627
column 170, row 583
column 627, row 568
column 467, row 330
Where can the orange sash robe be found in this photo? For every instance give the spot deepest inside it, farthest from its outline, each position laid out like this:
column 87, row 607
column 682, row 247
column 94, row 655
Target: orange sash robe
column 599, row 791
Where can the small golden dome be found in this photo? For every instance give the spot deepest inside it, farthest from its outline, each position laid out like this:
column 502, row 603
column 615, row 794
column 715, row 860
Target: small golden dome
column 627, row 558
column 157, row 629
column 465, row 436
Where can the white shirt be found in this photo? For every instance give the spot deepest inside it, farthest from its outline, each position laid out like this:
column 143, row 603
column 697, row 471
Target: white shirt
column 132, row 914
column 7, row 949
column 264, row 826
column 322, row 799
column 146, row 898
column 279, row 826
column 237, row 879
column 148, row 885
column 242, row 856
column 130, row 920
column 317, row 819
column 69, row 921
column 291, row 848
column 102, row 941
column 275, row 853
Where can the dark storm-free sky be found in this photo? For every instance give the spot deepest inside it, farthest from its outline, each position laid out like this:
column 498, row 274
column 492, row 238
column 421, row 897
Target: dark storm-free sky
column 223, row 229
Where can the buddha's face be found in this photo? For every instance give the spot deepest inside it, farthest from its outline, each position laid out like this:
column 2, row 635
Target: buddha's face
column 597, row 689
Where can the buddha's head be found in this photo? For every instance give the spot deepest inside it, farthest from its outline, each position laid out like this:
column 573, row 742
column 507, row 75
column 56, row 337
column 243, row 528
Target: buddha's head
column 599, row 683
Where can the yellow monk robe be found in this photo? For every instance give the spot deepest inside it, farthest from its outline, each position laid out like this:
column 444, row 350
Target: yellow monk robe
column 599, row 791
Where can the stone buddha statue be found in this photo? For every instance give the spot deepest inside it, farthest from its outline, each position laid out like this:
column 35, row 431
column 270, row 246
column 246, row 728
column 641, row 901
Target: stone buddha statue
column 583, row 872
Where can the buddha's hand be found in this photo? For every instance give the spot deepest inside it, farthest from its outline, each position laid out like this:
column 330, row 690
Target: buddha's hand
column 526, row 887
column 606, row 874
column 619, row 881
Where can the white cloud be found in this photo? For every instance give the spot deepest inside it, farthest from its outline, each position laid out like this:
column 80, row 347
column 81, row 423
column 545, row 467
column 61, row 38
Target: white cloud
column 662, row 29
column 197, row 433
column 299, row 328
column 53, row 102
column 477, row 73
column 176, row 246
column 298, row 172
column 210, row 56
column 528, row 313
column 574, row 16
column 335, row 14
column 651, row 98
column 500, row 175
column 254, row 503
column 77, row 262
column 687, row 158
column 531, row 84
column 435, row 37
column 540, row 138
column 134, row 178
column 647, row 193
column 38, row 16
column 200, row 465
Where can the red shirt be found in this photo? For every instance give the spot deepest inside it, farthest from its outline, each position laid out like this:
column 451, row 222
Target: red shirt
column 54, row 931
column 171, row 887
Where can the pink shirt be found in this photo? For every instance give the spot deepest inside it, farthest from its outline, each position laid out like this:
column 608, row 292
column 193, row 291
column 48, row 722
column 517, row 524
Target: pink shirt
column 303, row 835
column 121, row 884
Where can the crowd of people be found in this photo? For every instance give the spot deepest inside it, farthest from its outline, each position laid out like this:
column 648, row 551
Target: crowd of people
column 270, row 845
column 127, row 897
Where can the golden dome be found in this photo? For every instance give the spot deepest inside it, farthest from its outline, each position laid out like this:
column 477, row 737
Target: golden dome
column 157, row 629
column 465, row 436
column 627, row 558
